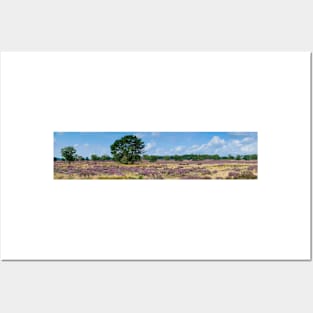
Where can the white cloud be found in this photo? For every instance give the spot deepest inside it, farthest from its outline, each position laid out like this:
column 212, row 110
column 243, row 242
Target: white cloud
column 217, row 145
column 238, row 147
column 213, row 143
column 160, row 151
column 197, row 148
column 76, row 145
column 216, row 140
column 249, row 149
column 236, row 143
column 86, row 144
column 150, row 145
column 179, row 148
column 247, row 139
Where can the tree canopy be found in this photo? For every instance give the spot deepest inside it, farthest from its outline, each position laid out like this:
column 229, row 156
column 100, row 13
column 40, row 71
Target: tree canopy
column 128, row 149
column 69, row 153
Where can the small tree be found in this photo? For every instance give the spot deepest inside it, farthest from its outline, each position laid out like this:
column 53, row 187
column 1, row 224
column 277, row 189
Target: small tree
column 105, row 158
column 215, row 157
column 69, row 153
column 94, row 157
column 150, row 158
column 177, row 157
column 128, row 149
column 153, row 158
column 146, row 157
column 80, row 158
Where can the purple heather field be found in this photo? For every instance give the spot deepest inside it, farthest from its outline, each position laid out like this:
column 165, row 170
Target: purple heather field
column 161, row 169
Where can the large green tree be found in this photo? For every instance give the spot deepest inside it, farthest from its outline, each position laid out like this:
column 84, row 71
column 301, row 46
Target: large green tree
column 69, row 153
column 128, row 149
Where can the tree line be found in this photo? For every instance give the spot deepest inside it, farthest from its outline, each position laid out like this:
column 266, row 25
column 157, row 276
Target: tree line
column 199, row 157
column 130, row 149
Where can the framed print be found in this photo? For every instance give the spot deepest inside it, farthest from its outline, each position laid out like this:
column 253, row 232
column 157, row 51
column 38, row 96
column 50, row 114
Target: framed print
column 156, row 156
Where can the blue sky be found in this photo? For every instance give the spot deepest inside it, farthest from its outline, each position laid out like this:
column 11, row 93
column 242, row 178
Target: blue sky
column 161, row 143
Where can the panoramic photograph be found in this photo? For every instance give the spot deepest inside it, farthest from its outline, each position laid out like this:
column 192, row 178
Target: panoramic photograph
column 155, row 155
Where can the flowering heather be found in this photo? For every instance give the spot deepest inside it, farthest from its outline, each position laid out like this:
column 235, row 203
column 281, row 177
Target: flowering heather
column 233, row 174
column 161, row 169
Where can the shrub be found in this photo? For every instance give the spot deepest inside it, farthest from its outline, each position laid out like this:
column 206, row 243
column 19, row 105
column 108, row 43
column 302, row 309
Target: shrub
column 246, row 175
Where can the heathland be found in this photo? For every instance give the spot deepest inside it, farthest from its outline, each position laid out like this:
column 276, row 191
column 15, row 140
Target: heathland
column 159, row 169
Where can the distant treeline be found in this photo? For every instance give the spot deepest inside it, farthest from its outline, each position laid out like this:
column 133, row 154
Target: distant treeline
column 199, row 157
column 93, row 157
column 154, row 158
